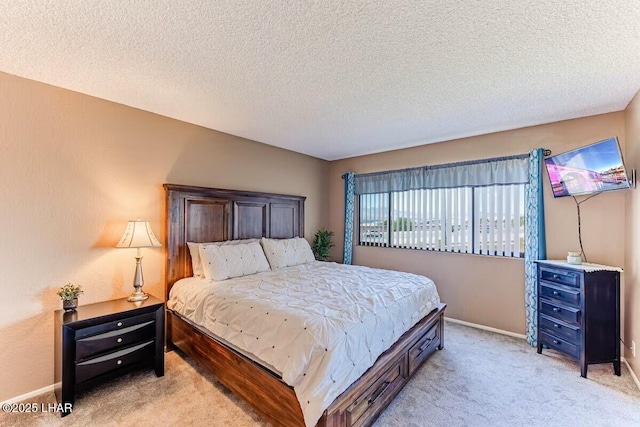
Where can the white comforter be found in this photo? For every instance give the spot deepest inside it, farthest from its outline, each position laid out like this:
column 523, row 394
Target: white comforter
column 321, row 325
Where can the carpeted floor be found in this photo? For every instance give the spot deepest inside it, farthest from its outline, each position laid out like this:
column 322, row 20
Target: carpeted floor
column 479, row 379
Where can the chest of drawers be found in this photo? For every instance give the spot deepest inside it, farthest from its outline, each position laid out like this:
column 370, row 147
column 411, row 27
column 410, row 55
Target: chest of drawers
column 100, row 341
column 579, row 313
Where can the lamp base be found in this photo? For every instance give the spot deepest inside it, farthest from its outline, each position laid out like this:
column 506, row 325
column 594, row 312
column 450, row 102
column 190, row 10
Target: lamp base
column 138, row 281
column 137, row 296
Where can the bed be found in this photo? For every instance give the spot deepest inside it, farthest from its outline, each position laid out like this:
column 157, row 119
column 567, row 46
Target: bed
column 196, row 214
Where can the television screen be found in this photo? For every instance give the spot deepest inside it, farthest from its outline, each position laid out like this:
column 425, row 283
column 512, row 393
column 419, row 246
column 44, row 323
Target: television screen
column 592, row 169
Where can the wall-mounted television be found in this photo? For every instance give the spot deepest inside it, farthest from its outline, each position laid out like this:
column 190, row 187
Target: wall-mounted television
column 592, row 169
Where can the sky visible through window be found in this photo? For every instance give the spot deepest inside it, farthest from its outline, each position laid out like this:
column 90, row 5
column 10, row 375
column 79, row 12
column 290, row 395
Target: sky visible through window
column 377, row 207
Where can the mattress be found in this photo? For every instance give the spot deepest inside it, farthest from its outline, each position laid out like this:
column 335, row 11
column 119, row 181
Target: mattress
column 319, row 325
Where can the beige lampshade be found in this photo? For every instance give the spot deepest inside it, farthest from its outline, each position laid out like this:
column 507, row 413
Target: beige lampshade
column 138, row 234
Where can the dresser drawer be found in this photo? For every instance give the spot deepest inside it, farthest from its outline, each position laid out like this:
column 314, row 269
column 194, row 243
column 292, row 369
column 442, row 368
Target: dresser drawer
column 561, row 277
column 563, row 330
column 579, row 312
column 560, row 345
column 376, row 396
column 570, row 296
column 113, row 326
column 92, row 368
column 112, row 340
column 560, row 312
column 423, row 348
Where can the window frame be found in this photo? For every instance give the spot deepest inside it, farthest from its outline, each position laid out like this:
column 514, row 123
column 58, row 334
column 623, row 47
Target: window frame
column 471, row 208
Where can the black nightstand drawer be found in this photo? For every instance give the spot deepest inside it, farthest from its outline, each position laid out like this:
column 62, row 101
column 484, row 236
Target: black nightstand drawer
column 560, row 312
column 560, row 345
column 561, row 329
column 113, row 326
column 100, row 341
column 97, row 366
column 112, row 340
column 560, row 277
column 570, row 296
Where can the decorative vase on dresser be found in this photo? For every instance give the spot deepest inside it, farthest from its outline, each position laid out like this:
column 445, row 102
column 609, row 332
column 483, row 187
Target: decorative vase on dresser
column 579, row 312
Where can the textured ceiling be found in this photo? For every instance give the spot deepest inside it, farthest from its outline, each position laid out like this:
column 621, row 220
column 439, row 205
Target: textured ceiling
column 334, row 78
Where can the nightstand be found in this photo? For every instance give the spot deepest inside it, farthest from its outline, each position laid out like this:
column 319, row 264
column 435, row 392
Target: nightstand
column 100, row 341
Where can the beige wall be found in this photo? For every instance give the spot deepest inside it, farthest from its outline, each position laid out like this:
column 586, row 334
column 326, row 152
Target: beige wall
column 489, row 290
column 631, row 325
column 74, row 169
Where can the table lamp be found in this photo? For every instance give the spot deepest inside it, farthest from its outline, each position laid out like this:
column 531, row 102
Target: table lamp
column 138, row 234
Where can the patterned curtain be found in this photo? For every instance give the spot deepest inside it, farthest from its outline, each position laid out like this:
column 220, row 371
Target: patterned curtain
column 535, row 244
column 349, row 198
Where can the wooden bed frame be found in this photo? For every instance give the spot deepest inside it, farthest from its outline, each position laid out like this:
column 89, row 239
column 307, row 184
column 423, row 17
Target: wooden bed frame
column 197, row 214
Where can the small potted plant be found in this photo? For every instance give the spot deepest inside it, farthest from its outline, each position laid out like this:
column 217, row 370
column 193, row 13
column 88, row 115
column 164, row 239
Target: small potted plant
column 69, row 294
column 322, row 244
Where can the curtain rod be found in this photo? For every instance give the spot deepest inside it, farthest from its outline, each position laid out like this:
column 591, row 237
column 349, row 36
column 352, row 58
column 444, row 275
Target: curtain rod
column 446, row 165
column 545, row 151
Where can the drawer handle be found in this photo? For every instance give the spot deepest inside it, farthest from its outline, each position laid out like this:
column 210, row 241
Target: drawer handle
column 556, row 293
column 557, row 342
column 119, row 324
column 556, row 309
column 379, row 393
column 425, row 345
column 119, row 340
column 555, row 325
column 555, row 276
column 119, row 362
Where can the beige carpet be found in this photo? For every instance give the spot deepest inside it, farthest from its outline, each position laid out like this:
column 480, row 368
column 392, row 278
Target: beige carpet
column 479, row 379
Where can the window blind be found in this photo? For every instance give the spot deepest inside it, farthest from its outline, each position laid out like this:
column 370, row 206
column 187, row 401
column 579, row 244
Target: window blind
column 476, row 207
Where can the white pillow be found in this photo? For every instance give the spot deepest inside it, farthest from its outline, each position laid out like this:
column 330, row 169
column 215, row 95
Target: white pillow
column 194, row 249
column 222, row 262
column 287, row 252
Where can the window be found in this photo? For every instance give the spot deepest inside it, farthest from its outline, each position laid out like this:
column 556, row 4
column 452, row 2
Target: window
column 486, row 220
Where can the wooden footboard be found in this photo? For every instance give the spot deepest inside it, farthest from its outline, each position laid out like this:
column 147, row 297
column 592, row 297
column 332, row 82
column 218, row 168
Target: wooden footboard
column 359, row 405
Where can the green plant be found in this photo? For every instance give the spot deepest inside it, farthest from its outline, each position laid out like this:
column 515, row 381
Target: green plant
column 400, row 224
column 69, row 292
column 321, row 244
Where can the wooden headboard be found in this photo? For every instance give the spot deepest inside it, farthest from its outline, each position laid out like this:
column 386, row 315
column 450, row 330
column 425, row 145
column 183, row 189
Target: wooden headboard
column 199, row 214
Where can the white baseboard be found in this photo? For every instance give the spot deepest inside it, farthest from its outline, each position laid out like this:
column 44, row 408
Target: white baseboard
column 29, row 395
column 486, row 328
column 633, row 374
